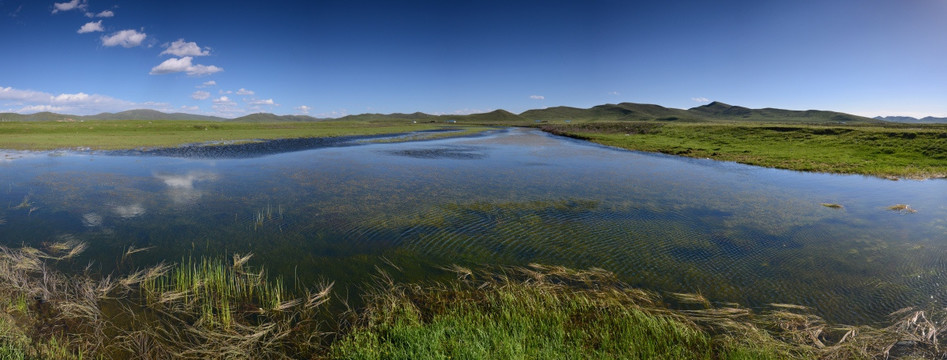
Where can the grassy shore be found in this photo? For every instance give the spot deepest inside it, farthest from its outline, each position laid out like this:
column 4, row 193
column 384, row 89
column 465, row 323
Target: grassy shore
column 895, row 151
column 131, row 134
column 214, row 308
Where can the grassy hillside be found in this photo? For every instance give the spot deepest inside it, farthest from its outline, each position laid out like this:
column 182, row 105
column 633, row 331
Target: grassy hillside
column 147, row 114
column 721, row 111
column 267, row 117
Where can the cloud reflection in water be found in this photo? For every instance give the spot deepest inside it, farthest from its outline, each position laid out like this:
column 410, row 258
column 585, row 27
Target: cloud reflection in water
column 181, row 187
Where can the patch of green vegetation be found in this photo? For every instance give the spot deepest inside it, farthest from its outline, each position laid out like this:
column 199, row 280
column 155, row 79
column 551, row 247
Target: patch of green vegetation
column 888, row 151
column 131, row 134
column 552, row 313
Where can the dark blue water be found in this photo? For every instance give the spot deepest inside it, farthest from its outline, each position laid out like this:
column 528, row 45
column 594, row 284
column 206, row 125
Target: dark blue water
column 734, row 233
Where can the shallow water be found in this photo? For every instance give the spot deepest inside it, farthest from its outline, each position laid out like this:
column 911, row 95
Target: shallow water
column 734, row 233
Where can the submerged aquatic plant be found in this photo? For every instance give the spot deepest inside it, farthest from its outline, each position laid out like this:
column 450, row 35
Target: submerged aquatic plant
column 25, row 204
column 267, row 214
column 833, row 206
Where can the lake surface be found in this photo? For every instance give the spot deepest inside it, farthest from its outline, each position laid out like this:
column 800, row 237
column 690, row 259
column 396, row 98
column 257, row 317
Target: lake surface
column 731, row 232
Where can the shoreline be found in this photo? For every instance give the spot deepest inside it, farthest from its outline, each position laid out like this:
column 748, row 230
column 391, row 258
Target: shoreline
column 795, row 163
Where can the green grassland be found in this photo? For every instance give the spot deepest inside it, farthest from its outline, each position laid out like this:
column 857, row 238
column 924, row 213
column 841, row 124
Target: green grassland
column 130, row 134
column 894, row 151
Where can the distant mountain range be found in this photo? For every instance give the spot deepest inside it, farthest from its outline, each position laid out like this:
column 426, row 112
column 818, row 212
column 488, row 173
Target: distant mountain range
column 908, row 119
column 617, row 112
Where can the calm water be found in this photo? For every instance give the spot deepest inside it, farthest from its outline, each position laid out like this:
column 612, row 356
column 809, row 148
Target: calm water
column 731, row 232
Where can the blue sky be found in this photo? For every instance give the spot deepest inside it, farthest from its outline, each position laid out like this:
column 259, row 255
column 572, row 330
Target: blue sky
column 332, row 58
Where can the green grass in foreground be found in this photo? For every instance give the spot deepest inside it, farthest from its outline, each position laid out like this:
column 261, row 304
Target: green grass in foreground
column 541, row 319
column 131, row 134
column 890, row 151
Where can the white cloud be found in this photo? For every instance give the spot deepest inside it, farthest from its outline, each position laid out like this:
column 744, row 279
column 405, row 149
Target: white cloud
column 221, row 92
column 190, row 108
column 304, row 109
column 22, row 96
column 243, row 91
column 29, row 109
column 613, row 93
column 200, row 95
column 29, row 101
column 174, row 65
column 333, row 114
column 208, row 83
column 262, row 102
column 105, row 14
column 91, row 26
column 700, row 99
column 66, row 6
column 70, row 98
column 224, row 106
column 182, row 48
column 125, row 38
column 537, row 97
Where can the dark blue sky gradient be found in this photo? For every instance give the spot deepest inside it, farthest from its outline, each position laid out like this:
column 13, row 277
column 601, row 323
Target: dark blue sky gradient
column 870, row 57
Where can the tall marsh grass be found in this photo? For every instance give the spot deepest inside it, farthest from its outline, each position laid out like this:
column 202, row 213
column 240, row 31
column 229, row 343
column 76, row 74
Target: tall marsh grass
column 209, row 308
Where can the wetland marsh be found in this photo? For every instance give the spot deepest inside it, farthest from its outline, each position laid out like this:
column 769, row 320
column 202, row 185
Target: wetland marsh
column 731, row 232
column 850, row 248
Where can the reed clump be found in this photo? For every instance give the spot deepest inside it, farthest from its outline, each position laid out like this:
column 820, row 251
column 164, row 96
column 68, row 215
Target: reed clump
column 198, row 309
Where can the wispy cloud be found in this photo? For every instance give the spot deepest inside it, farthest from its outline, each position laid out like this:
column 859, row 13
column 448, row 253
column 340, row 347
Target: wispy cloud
column 243, row 91
column 208, row 83
column 125, row 38
column 184, row 65
column 700, row 99
column 304, row 109
column 69, row 5
column 184, row 48
column 537, row 97
column 333, row 114
column 614, row 93
column 224, row 106
column 262, row 102
column 16, row 12
column 29, row 109
column 105, row 14
column 91, row 26
column 200, row 95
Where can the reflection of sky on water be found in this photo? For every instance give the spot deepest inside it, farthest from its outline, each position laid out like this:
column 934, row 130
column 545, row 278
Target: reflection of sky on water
column 91, row 219
column 181, row 188
column 128, row 211
column 732, row 232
